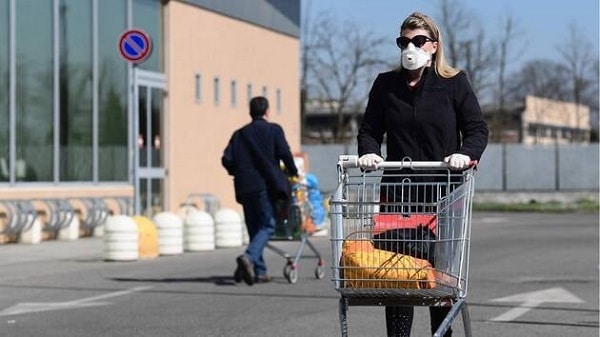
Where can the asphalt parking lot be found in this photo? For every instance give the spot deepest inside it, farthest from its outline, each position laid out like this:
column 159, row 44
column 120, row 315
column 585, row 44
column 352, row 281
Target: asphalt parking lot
column 530, row 275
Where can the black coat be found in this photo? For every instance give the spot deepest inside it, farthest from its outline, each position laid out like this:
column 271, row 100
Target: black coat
column 441, row 117
column 253, row 154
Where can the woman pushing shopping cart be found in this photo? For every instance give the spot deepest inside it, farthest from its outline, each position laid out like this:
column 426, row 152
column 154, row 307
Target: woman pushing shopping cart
column 402, row 238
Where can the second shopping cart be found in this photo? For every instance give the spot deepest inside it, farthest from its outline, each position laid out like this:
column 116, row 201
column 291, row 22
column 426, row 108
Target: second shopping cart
column 293, row 221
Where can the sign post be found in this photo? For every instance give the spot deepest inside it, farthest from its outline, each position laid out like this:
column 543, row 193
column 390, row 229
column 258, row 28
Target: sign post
column 135, row 46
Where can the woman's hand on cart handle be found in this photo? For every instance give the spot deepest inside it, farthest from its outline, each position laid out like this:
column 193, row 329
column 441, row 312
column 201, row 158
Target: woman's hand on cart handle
column 369, row 161
column 458, row 161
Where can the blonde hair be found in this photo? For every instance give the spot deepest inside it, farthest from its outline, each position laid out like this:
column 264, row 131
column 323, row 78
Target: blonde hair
column 419, row 20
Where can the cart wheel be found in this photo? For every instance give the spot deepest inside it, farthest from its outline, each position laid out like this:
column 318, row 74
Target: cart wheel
column 293, row 276
column 319, row 272
column 290, row 273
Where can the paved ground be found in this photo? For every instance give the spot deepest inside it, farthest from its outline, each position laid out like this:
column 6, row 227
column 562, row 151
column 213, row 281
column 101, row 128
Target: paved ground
column 531, row 275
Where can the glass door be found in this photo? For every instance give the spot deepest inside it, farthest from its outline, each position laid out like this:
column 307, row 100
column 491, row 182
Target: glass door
column 149, row 162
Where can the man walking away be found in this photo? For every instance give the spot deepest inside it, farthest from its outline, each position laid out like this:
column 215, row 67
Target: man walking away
column 253, row 157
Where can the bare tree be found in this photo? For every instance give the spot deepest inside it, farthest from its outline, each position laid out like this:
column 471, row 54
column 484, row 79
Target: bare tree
column 466, row 43
column 479, row 61
column 341, row 62
column 578, row 58
column 592, row 97
column 507, row 51
column 454, row 21
column 307, row 47
column 541, row 78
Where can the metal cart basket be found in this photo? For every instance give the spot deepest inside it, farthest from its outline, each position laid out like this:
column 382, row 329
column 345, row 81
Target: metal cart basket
column 289, row 228
column 400, row 235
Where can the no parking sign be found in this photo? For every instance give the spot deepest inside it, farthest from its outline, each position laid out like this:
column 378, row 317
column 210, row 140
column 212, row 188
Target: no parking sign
column 135, row 45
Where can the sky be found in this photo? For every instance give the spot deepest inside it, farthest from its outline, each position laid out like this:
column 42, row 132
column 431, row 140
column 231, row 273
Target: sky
column 542, row 23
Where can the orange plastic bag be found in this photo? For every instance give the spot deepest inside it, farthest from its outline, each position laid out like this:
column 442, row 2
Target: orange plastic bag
column 364, row 266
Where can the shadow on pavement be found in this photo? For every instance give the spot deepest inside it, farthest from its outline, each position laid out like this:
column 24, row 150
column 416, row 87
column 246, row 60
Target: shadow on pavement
column 217, row 280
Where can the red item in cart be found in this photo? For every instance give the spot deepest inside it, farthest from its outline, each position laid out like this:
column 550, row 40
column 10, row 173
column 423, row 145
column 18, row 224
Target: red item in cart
column 386, row 221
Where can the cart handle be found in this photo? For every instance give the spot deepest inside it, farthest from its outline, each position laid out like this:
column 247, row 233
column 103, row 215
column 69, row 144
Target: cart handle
column 351, row 161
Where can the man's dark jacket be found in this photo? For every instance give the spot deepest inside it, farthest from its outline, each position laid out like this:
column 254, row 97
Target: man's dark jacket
column 441, row 117
column 252, row 157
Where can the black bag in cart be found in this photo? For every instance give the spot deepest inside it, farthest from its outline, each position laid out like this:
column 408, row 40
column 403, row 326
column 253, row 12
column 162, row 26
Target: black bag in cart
column 416, row 242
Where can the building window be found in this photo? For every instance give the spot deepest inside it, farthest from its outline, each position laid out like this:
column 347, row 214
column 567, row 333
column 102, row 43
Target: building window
column 4, row 89
column 198, row 88
column 112, row 94
column 75, row 91
column 249, row 91
column 35, row 90
column 278, row 101
column 216, row 88
column 147, row 15
column 233, row 93
column 71, row 89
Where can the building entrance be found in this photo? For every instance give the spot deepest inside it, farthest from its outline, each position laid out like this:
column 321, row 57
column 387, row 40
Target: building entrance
column 149, row 164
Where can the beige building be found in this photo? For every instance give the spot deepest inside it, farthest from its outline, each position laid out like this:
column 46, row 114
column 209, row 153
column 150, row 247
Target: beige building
column 540, row 121
column 234, row 61
column 83, row 122
column 547, row 121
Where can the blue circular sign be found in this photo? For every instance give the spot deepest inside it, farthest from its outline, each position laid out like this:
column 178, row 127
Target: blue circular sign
column 135, row 45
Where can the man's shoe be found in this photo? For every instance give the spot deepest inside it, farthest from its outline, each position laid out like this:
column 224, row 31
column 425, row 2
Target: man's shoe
column 237, row 275
column 263, row 279
column 246, row 269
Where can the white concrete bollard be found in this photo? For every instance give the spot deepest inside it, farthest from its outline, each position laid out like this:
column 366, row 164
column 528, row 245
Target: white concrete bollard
column 98, row 231
column 228, row 228
column 33, row 234
column 120, row 239
column 199, row 232
column 170, row 233
column 71, row 232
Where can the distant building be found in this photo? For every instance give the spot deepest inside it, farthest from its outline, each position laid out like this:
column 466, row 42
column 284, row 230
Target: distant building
column 321, row 122
column 539, row 120
column 535, row 120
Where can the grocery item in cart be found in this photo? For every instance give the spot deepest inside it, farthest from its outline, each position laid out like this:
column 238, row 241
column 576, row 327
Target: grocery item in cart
column 417, row 242
column 365, row 266
column 386, row 221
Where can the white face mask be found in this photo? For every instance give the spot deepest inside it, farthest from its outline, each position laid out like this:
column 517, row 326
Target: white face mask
column 414, row 58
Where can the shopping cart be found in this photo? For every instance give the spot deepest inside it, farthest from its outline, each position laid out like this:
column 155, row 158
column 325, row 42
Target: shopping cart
column 289, row 227
column 400, row 235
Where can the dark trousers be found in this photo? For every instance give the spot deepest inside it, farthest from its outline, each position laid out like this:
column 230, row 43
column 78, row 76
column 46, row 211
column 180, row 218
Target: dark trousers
column 398, row 320
column 260, row 221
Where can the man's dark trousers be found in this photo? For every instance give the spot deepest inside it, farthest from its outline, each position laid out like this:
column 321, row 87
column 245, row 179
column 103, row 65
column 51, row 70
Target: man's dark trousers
column 260, row 221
